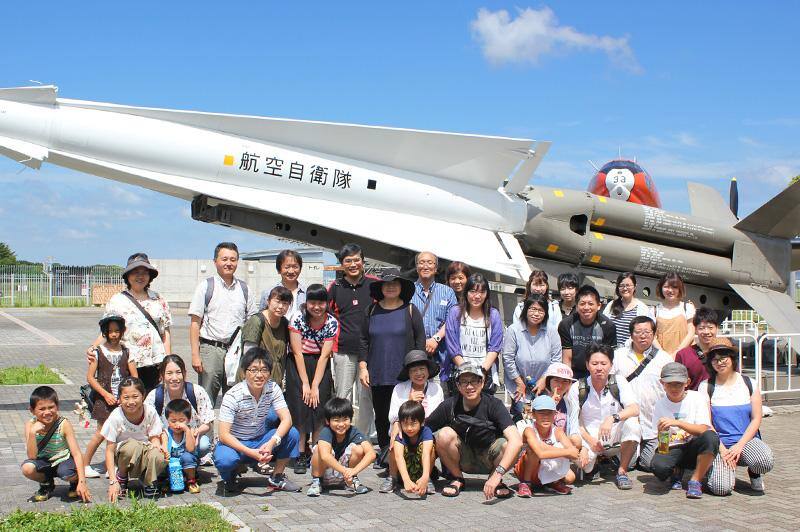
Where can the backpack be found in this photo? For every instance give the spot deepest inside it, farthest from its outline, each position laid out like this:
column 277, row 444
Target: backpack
column 583, row 389
column 712, row 382
column 210, row 291
column 478, row 433
column 159, row 403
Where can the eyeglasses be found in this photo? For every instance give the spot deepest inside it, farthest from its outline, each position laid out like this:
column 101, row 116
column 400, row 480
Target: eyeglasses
column 626, row 285
column 258, row 371
column 351, row 261
column 535, row 310
column 643, row 333
column 720, row 360
column 470, row 382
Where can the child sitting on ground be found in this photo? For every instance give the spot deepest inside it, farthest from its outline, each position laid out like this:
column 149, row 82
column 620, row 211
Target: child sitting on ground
column 106, row 371
column 412, row 456
column 546, row 460
column 342, row 451
column 52, row 448
column 179, row 413
column 133, row 441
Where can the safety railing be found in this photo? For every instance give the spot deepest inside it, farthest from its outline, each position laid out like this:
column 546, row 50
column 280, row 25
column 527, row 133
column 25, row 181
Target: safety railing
column 742, row 342
column 774, row 347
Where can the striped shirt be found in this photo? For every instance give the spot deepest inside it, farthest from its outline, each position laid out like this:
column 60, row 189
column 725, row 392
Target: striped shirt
column 248, row 417
column 442, row 299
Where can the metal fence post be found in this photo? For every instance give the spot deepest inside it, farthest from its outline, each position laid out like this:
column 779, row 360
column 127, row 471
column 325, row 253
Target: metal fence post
column 50, row 288
column 12, row 289
column 88, row 288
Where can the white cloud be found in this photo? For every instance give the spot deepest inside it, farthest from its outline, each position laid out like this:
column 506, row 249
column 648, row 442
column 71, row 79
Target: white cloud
column 124, row 195
column 750, row 141
column 76, row 234
column 534, row 34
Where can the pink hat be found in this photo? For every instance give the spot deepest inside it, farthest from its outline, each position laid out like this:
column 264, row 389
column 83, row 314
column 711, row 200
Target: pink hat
column 560, row 370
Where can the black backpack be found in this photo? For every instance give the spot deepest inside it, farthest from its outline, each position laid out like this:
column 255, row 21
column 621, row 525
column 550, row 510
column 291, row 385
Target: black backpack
column 583, row 389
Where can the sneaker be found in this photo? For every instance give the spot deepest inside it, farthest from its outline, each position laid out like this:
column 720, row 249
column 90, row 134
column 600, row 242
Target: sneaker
column 315, row 489
column 624, row 482
column 431, row 490
column 560, row 487
column 388, row 485
column 44, row 491
column 676, row 483
column 281, row 483
column 358, row 488
column 232, row 485
column 757, row 484
column 193, row 488
column 150, row 491
column 301, row 464
column 524, row 490
column 694, row 490
column 207, row 460
column 91, row 472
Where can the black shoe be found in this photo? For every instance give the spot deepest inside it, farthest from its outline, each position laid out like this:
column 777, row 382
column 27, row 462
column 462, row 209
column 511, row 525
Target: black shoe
column 232, row 485
column 44, row 491
column 301, row 464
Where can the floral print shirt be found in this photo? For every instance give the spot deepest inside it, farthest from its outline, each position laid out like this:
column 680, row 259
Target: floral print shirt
column 145, row 346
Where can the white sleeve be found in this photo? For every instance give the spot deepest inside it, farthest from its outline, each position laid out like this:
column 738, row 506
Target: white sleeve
column 110, row 429
column 626, row 394
column 702, row 413
column 204, row 410
column 436, row 398
column 227, row 410
column 151, row 399
column 394, row 405
column 572, row 415
column 198, row 305
column 689, row 311
column 252, row 303
column 278, row 401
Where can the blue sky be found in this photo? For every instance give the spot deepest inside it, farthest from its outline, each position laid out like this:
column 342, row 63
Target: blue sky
column 694, row 90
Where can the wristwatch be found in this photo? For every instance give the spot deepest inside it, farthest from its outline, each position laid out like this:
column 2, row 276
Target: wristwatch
column 277, row 439
column 500, row 470
column 437, row 338
column 616, row 418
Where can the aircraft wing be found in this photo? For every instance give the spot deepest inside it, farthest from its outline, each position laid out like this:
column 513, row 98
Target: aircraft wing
column 706, row 202
column 776, row 308
column 489, row 250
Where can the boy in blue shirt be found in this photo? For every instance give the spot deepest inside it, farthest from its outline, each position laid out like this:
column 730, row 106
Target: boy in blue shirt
column 178, row 413
column 412, row 456
column 342, row 451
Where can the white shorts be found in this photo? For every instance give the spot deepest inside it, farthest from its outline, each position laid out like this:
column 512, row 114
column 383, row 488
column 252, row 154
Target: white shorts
column 333, row 477
column 628, row 430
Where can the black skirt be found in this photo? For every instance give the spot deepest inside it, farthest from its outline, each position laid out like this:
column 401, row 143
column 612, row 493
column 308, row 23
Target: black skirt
column 304, row 418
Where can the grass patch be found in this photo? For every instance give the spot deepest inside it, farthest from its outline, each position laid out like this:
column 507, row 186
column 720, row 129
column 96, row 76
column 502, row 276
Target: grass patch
column 41, row 374
column 111, row 518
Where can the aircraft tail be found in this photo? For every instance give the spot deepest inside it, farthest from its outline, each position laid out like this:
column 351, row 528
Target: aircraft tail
column 777, row 218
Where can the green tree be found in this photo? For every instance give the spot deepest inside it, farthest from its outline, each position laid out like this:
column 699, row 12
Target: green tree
column 794, row 180
column 6, row 255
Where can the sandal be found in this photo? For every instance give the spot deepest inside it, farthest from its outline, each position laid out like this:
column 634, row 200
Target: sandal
column 506, row 491
column 455, row 487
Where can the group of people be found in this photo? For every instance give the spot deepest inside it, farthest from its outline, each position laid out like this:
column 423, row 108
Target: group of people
column 628, row 385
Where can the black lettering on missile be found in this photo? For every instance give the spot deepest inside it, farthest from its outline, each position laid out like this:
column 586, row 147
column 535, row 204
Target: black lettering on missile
column 296, row 171
column 372, row 184
column 341, row 179
column 274, row 166
column 249, row 162
column 319, row 174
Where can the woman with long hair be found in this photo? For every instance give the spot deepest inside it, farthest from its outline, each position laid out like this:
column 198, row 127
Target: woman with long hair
column 313, row 334
column 474, row 330
column 625, row 307
column 674, row 325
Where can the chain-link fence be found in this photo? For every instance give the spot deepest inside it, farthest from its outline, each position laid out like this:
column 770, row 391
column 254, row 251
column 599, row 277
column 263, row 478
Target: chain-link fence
column 58, row 286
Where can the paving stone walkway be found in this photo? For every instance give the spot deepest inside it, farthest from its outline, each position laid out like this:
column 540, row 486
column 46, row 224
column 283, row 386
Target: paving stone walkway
column 597, row 505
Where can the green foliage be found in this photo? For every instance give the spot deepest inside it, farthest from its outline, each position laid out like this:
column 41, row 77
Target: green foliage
column 794, row 180
column 111, row 518
column 25, row 375
column 7, row 256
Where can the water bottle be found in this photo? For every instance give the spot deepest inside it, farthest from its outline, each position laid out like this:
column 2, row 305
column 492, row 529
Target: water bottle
column 176, row 483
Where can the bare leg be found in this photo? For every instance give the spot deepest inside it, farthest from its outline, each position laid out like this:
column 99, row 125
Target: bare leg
column 626, row 450
column 29, row 470
column 531, row 466
column 449, row 451
column 93, row 444
column 393, row 471
column 317, row 467
column 704, row 462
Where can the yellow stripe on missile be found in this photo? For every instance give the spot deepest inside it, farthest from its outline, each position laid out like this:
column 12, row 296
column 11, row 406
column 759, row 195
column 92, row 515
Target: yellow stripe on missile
column 595, row 259
column 600, row 222
column 552, row 248
column 602, row 199
column 558, row 193
column 228, row 161
column 598, row 236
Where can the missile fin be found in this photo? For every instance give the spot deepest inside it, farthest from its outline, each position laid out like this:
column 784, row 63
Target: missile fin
column 706, row 202
column 474, row 159
column 31, row 155
column 776, row 308
column 778, row 218
column 39, row 94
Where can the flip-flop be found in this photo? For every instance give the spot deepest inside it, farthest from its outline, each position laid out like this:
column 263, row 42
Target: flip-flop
column 456, row 488
column 502, row 486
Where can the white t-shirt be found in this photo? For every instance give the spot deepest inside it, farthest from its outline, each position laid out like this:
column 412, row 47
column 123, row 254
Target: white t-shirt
column 118, row 429
column 693, row 409
column 598, row 407
column 475, row 335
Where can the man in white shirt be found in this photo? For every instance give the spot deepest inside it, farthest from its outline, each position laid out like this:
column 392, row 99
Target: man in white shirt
column 640, row 363
column 216, row 318
column 608, row 419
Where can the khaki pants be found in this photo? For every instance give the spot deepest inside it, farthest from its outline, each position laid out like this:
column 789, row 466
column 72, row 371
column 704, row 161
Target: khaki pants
column 144, row 460
column 213, row 379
